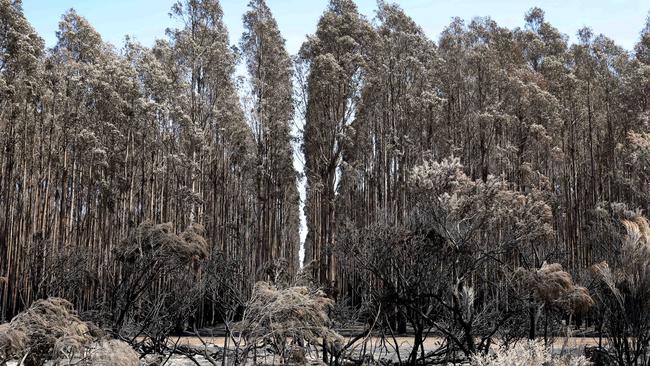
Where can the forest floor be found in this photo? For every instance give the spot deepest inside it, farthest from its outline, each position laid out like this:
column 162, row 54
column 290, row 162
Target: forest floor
column 403, row 341
column 381, row 349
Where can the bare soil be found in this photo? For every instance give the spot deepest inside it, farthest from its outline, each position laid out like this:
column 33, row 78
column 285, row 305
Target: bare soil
column 381, row 349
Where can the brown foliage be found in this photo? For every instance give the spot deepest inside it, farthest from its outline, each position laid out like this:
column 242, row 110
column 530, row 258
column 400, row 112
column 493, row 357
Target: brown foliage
column 161, row 239
column 623, row 289
column 274, row 316
column 48, row 329
column 555, row 287
column 159, row 284
column 632, row 274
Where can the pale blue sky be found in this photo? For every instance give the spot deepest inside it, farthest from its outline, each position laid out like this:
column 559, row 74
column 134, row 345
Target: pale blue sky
column 146, row 20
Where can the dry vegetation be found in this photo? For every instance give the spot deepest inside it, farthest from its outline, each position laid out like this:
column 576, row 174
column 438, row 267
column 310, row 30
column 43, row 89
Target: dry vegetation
column 290, row 320
column 469, row 192
column 50, row 330
column 554, row 287
column 623, row 291
column 528, row 354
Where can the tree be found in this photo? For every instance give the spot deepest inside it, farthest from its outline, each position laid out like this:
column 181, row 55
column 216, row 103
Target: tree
column 21, row 52
column 100, row 140
column 151, row 254
column 434, row 269
column 270, row 70
column 335, row 57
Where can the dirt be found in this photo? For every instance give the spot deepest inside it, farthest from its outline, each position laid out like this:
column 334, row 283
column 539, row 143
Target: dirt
column 430, row 342
column 385, row 349
column 380, row 348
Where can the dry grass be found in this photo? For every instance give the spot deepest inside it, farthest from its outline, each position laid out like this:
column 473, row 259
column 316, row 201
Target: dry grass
column 276, row 317
column 633, row 273
column 555, row 287
column 49, row 329
column 12, row 342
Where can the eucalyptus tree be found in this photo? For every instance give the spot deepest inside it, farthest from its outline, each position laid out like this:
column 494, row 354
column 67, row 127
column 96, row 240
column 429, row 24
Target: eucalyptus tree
column 270, row 72
column 395, row 120
column 335, row 57
column 21, row 56
column 642, row 48
column 100, row 140
column 97, row 140
column 214, row 168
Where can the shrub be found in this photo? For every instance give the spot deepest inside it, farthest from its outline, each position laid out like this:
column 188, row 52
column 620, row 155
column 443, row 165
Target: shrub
column 274, row 316
column 49, row 329
column 622, row 289
column 553, row 288
column 158, row 285
column 527, row 354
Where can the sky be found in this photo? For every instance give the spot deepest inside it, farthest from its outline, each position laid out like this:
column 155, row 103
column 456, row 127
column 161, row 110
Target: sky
column 146, row 20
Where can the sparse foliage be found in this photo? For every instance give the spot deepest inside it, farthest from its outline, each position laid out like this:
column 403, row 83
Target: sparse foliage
column 287, row 319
